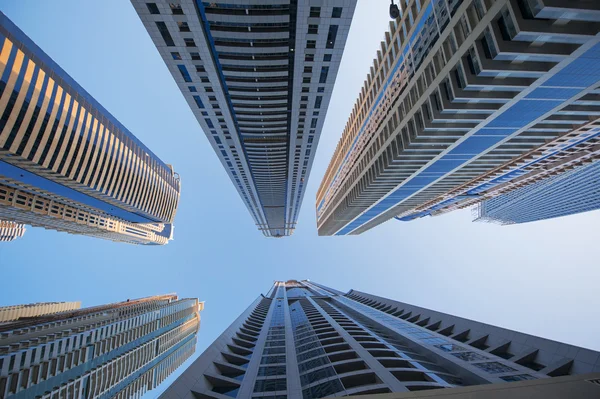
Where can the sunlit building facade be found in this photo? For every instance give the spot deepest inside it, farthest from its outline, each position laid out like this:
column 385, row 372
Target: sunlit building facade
column 119, row 350
column 16, row 312
column 305, row 340
column 458, row 89
column 66, row 163
column 10, row 230
column 258, row 75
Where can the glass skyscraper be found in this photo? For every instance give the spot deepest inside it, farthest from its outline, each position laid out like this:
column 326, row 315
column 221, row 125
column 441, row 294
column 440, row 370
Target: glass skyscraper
column 66, row 163
column 305, row 340
column 258, row 75
column 458, row 89
column 575, row 191
column 555, row 179
column 119, row 350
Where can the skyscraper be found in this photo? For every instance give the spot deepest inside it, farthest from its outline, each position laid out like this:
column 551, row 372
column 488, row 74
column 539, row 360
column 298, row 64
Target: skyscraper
column 16, row 312
column 572, row 192
column 555, row 179
column 10, row 230
column 305, row 340
column 120, row 350
column 66, row 163
column 258, row 76
column 458, row 89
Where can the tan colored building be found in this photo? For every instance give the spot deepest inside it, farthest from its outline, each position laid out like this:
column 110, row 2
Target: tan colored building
column 66, row 163
column 120, row 350
column 16, row 312
column 10, row 230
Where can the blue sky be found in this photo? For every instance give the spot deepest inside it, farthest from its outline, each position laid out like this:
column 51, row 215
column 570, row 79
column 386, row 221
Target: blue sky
column 538, row 278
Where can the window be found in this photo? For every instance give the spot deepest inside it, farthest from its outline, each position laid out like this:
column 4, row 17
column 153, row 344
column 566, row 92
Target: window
column 274, row 351
column 322, row 390
column 304, row 98
column 198, row 102
column 184, row 73
column 152, row 8
column 494, row 367
column 271, row 371
column 200, row 68
column 520, row 377
column 318, row 101
column 189, row 42
column 320, row 90
column 176, row 9
column 313, row 29
column 311, row 44
column 324, row 73
column 317, row 375
column 313, row 123
column 307, row 69
column 272, row 359
column 469, row 356
column 164, row 32
column 327, row 57
column 337, row 12
column 309, row 57
column 306, row 79
column 195, row 56
column 183, row 27
column 331, row 36
column 315, row 12
column 176, row 55
column 278, row 384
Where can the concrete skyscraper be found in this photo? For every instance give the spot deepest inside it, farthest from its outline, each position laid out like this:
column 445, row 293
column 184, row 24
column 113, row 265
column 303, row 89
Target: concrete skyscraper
column 304, row 340
column 459, row 88
column 120, row 350
column 16, row 312
column 66, row 163
column 258, row 76
column 10, row 230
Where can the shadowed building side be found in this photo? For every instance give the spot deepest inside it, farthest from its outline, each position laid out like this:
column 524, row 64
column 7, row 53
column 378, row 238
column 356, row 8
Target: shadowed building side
column 258, row 76
column 305, row 340
column 119, row 350
column 458, row 89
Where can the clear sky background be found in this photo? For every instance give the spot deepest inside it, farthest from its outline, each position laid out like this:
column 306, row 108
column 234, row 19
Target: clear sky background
column 539, row 278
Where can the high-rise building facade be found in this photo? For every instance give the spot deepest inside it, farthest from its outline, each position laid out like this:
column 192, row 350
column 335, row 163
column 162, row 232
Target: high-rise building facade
column 458, row 88
column 575, row 191
column 10, row 230
column 16, row 312
column 258, row 76
column 555, row 179
column 305, row 340
column 120, row 350
column 66, row 163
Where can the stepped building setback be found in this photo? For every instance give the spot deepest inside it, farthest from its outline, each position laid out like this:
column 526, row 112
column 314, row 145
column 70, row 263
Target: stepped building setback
column 304, row 340
column 258, row 76
column 66, row 163
column 460, row 88
column 119, row 350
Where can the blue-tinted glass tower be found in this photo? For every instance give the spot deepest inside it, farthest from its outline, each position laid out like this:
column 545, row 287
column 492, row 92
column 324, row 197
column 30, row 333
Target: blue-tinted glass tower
column 459, row 88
